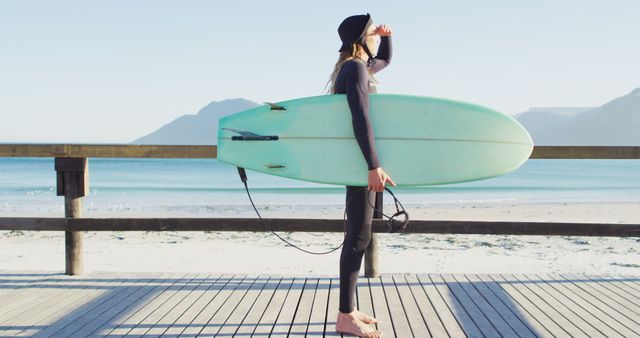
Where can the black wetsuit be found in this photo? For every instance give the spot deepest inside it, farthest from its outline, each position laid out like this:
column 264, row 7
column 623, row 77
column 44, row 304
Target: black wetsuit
column 353, row 81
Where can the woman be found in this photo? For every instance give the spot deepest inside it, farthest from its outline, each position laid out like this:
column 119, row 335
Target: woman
column 353, row 76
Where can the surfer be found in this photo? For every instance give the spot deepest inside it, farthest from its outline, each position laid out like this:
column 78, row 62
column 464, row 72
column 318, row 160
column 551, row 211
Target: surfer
column 353, row 76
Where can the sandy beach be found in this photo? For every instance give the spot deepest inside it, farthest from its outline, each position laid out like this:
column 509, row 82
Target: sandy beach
column 239, row 252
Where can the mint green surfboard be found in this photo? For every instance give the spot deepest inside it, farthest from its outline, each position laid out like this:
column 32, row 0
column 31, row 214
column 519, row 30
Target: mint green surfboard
column 419, row 140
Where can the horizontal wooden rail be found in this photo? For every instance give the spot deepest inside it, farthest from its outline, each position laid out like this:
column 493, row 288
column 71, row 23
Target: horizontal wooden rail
column 316, row 225
column 193, row 151
column 586, row 152
column 107, row 150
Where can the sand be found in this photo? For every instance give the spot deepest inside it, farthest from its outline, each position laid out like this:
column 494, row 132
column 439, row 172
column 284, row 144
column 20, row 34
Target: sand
column 246, row 252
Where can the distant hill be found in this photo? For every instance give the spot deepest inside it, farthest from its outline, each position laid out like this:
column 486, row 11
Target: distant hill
column 617, row 122
column 543, row 124
column 198, row 129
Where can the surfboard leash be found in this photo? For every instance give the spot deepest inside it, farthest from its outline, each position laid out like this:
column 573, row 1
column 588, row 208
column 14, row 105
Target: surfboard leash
column 393, row 224
column 243, row 178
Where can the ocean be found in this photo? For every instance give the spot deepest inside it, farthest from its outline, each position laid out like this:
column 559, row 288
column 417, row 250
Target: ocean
column 164, row 187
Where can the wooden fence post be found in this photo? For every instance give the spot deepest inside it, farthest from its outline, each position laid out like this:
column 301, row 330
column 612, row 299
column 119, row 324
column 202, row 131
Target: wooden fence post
column 371, row 254
column 72, row 182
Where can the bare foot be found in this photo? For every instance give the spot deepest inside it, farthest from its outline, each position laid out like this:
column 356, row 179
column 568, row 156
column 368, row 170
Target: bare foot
column 365, row 318
column 349, row 323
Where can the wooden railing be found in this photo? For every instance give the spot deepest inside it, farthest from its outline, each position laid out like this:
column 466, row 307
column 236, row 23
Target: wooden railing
column 189, row 151
column 71, row 166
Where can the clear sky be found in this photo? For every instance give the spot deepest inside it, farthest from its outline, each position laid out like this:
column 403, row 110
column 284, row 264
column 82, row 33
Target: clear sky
column 112, row 71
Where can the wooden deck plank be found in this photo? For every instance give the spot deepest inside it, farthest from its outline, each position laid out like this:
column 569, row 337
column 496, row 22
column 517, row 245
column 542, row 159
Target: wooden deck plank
column 251, row 320
column 87, row 312
column 225, row 310
column 162, row 318
column 285, row 317
column 557, row 325
column 415, row 305
column 267, row 322
column 12, row 280
column 236, row 318
column 584, row 300
column 616, row 311
column 318, row 316
column 163, row 303
column 113, row 319
column 381, row 307
column 397, row 313
column 333, row 308
column 606, row 283
column 573, row 313
column 560, row 311
column 629, row 288
column 572, row 307
column 62, row 294
column 410, row 306
column 522, row 321
column 194, row 303
column 456, row 321
column 36, row 292
column 32, row 298
column 485, row 317
column 462, row 305
column 612, row 300
column 66, row 291
column 633, row 281
column 364, row 303
column 87, row 309
column 302, row 314
column 437, row 313
column 127, row 321
column 150, row 313
column 114, row 313
column 215, row 301
column 23, row 299
column 491, row 311
column 426, row 308
column 478, row 290
column 26, row 277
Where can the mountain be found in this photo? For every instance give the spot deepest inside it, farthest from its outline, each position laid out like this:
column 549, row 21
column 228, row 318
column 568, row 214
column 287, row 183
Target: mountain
column 198, row 129
column 617, row 122
column 543, row 124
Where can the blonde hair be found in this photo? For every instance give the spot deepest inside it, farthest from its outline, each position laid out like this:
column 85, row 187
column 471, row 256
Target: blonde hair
column 350, row 53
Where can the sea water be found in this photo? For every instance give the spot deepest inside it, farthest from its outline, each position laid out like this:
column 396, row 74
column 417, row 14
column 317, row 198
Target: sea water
column 162, row 187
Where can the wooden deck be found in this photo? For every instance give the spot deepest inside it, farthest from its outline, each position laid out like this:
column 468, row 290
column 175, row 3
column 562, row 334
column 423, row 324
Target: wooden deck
column 112, row 304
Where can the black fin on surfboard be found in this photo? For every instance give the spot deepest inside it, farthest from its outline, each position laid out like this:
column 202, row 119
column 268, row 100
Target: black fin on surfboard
column 249, row 136
column 275, row 106
column 242, row 132
column 276, row 166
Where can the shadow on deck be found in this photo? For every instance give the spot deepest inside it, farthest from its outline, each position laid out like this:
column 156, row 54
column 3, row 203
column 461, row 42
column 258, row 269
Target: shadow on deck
column 249, row 305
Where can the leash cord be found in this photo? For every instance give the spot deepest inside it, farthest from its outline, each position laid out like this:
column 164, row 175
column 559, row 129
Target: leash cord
column 390, row 222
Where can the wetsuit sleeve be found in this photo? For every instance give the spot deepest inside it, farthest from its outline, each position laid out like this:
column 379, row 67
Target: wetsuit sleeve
column 357, row 91
column 383, row 58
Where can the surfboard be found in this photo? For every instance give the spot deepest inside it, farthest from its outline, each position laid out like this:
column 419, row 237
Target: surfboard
column 419, row 140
